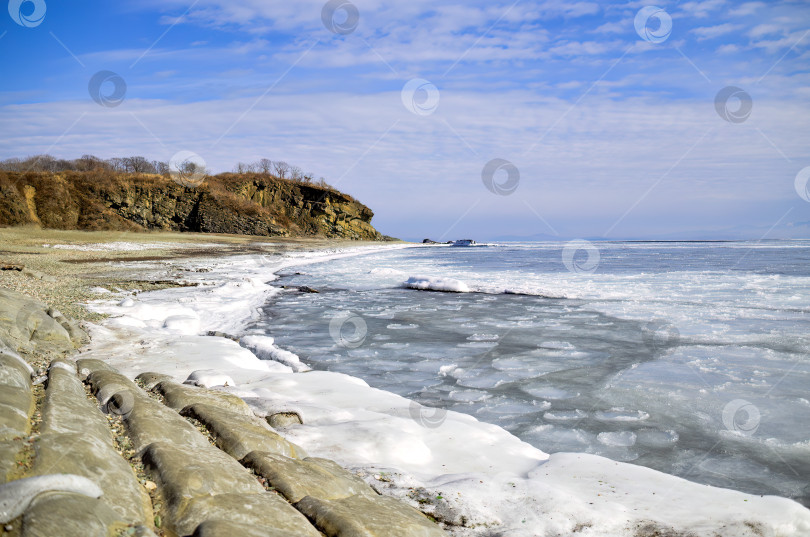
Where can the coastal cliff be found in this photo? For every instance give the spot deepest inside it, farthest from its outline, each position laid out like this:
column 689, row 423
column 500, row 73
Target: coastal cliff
column 241, row 204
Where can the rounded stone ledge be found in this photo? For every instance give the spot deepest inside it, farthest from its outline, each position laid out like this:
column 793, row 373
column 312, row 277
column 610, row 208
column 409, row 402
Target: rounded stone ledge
column 149, row 380
column 179, row 396
column 380, row 516
column 87, row 366
column 265, row 511
column 238, row 434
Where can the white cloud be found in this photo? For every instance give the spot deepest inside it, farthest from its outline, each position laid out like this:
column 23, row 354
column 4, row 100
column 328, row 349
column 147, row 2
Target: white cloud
column 761, row 30
column 711, row 32
column 568, row 9
column 702, row 9
column 748, row 8
column 795, row 40
column 614, row 28
column 599, row 156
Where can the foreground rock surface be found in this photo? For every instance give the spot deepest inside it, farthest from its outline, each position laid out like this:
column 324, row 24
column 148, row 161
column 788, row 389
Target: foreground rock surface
column 95, row 454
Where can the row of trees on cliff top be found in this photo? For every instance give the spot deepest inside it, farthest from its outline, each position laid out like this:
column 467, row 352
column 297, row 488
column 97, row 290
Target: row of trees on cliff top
column 138, row 164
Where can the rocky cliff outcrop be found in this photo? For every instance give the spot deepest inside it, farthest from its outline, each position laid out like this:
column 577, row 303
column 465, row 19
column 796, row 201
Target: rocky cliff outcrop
column 244, row 204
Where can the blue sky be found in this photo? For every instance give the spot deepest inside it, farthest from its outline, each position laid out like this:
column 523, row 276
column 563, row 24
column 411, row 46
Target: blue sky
column 615, row 133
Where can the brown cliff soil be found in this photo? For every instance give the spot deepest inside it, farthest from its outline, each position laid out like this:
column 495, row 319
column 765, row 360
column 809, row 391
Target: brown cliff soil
column 240, row 204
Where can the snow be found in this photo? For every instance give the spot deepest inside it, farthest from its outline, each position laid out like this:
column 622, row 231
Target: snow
column 208, row 378
column 447, row 285
column 264, row 348
column 123, row 246
column 477, row 476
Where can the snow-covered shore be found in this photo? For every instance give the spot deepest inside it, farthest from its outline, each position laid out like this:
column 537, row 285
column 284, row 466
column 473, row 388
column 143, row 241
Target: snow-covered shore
column 477, row 477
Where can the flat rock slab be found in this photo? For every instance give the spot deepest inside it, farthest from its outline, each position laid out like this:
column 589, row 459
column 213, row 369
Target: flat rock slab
column 96, row 460
column 179, row 396
column 16, row 408
column 73, row 515
column 361, row 516
column 9, row 450
column 266, row 513
column 147, row 420
column 219, row 528
column 190, row 473
column 294, row 479
column 25, row 323
column 238, row 435
column 207, row 485
column 14, row 372
column 68, row 410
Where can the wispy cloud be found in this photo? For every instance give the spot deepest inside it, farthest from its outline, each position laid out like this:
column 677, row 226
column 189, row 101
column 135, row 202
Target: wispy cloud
column 606, row 111
column 711, row 32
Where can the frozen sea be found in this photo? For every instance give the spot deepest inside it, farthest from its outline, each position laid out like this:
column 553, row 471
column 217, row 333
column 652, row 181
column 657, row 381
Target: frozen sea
column 688, row 358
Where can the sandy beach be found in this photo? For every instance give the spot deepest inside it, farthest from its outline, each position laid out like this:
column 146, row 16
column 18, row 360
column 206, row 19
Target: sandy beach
column 75, row 262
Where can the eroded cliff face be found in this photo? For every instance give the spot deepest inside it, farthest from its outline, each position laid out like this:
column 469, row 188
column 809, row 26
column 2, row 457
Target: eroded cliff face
column 249, row 204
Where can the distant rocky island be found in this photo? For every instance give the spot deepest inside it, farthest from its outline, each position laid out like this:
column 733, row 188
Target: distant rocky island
column 133, row 194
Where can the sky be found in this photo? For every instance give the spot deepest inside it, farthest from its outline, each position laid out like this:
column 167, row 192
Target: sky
column 477, row 119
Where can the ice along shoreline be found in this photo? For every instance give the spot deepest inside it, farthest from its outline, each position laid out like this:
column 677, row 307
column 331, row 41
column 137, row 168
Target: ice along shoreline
column 476, row 478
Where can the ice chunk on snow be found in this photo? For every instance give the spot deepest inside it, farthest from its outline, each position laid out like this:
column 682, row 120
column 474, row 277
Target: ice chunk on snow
column 447, row 285
column 187, row 324
column 208, row 378
column 264, row 347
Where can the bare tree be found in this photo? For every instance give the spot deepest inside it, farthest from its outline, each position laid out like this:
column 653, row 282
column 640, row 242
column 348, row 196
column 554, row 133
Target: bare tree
column 281, row 169
column 161, row 168
column 11, row 165
column 265, row 165
column 88, row 163
column 296, row 173
column 138, row 164
column 190, row 173
column 117, row 164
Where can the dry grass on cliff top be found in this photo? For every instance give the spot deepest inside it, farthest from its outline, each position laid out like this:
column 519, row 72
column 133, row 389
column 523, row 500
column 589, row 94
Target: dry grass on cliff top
column 92, row 261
